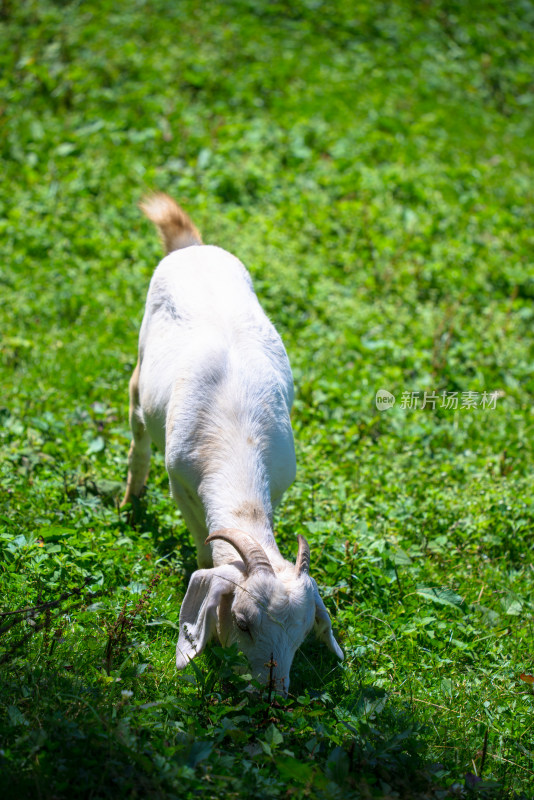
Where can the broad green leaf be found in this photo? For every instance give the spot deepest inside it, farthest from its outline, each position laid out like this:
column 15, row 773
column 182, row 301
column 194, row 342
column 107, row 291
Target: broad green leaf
column 445, row 597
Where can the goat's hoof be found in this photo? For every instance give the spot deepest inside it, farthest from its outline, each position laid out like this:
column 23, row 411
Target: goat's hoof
column 136, row 506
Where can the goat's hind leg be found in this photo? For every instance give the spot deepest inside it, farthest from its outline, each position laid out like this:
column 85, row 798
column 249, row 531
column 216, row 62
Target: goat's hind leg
column 139, row 455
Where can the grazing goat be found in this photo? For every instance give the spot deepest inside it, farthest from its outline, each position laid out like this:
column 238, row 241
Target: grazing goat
column 213, row 389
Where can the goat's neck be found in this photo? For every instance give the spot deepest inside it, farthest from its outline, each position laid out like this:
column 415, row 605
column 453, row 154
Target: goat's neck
column 235, row 493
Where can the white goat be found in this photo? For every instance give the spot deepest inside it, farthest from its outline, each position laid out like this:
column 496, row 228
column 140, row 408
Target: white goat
column 213, row 389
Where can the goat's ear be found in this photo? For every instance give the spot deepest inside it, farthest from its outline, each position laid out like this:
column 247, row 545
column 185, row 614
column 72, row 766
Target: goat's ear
column 198, row 614
column 323, row 625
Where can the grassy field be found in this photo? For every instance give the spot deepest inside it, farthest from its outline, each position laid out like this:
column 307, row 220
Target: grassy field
column 373, row 165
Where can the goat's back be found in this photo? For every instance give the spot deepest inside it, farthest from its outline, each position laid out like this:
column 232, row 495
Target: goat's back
column 203, row 329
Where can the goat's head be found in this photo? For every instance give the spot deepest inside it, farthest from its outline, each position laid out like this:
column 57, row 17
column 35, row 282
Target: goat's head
column 267, row 613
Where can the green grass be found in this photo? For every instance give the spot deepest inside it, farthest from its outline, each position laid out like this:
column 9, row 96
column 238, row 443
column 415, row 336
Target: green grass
column 373, row 165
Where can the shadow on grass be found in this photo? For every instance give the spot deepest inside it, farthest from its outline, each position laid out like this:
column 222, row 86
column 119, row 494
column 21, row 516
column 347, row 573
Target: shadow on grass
column 79, row 734
column 384, row 753
column 62, row 738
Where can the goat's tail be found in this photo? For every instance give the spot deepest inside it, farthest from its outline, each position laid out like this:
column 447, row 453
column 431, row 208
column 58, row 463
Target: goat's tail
column 175, row 227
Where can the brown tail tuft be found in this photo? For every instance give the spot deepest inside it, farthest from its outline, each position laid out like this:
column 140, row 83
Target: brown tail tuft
column 175, row 227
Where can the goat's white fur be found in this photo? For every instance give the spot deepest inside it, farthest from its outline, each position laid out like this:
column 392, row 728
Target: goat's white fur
column 213, row 389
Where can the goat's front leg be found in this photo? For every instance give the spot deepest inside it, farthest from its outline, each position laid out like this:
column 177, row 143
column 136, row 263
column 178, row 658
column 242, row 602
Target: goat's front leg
column 139, row 455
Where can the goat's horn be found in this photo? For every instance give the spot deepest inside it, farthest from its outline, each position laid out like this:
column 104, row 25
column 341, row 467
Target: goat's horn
column 252, row 553
column 302, row 564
